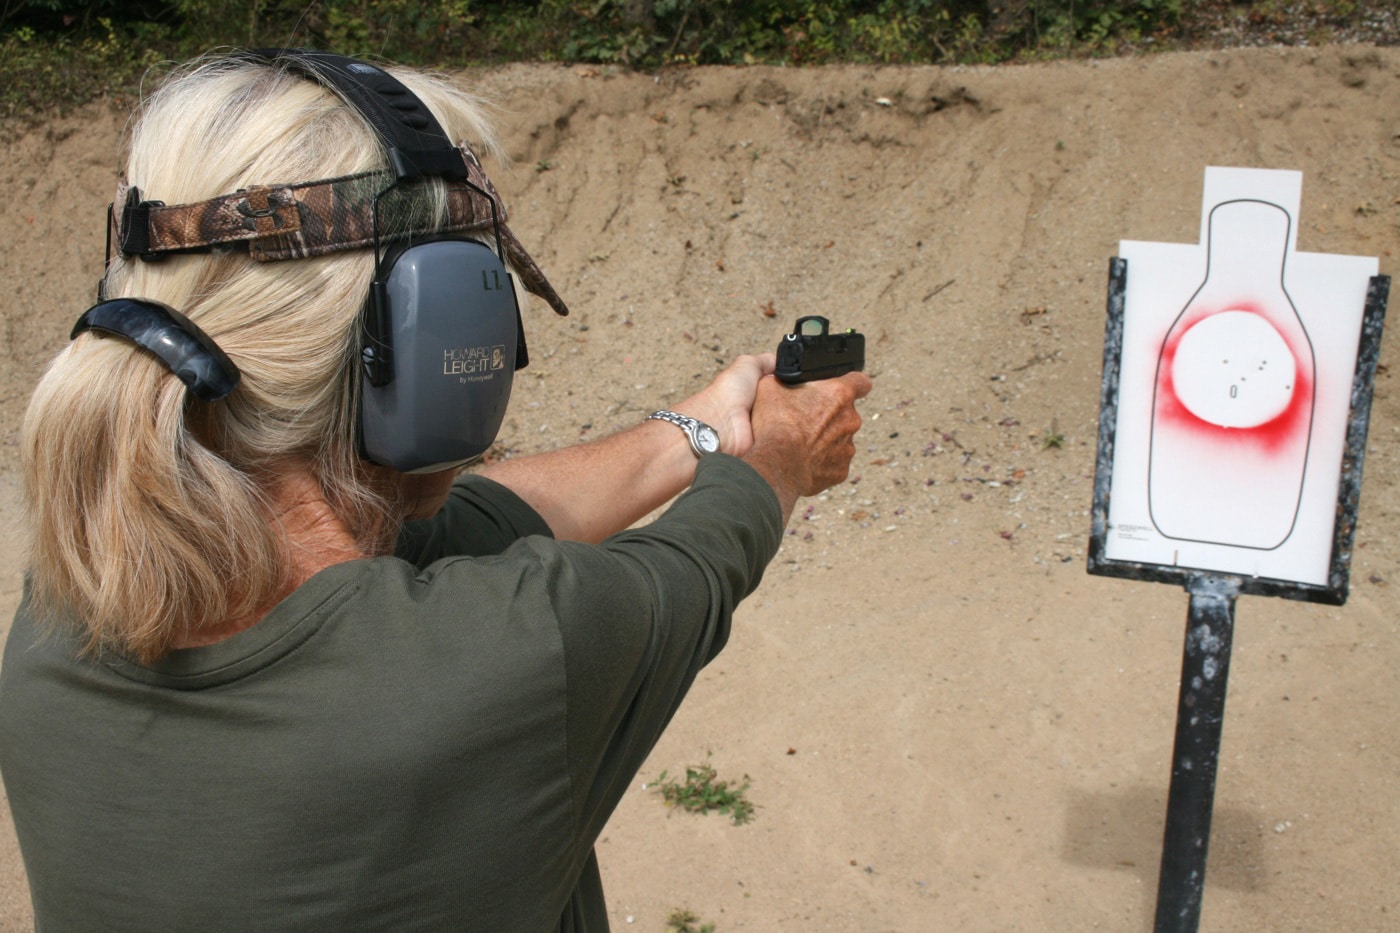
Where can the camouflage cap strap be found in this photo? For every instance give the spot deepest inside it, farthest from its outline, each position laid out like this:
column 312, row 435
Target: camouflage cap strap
column 298, row 220
column 531, row 275
column 279, row 222
column 339, row 215
column 244, row 215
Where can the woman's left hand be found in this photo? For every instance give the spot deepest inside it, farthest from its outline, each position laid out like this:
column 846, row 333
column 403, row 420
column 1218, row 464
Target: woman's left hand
column 726, row 403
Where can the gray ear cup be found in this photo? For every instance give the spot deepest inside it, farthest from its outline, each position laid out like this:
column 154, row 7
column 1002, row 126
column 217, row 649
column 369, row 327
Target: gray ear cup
column 454, row 327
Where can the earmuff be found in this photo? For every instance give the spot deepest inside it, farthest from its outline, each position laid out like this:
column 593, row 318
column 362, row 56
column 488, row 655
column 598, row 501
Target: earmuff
column 440, row 335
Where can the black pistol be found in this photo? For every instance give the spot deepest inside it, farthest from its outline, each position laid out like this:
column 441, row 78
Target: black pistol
column 812, row 352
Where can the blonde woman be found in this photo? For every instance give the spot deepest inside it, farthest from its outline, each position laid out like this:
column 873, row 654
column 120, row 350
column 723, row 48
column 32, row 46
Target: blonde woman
column 260, row 681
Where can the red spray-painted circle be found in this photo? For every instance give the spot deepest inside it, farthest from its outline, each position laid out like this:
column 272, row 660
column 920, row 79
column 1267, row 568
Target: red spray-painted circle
column 1290, row 426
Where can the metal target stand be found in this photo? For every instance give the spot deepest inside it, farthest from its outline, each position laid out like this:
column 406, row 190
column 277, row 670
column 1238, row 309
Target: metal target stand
column 1210, row 618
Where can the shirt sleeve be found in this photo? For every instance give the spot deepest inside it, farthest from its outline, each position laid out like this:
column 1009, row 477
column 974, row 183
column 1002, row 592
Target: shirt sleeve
column 480, row 517
column 643, row 612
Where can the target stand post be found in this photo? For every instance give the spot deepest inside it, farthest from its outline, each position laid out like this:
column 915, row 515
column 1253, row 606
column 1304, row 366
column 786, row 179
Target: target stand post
column 1200, row 718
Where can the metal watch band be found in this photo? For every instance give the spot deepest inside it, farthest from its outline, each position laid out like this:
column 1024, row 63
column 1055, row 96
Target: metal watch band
column 703, row 438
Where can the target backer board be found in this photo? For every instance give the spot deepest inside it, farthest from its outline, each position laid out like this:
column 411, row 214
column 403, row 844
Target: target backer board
column 1234, row 390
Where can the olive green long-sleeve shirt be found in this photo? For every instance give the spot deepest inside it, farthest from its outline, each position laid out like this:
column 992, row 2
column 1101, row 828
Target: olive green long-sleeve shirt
column 429, row 741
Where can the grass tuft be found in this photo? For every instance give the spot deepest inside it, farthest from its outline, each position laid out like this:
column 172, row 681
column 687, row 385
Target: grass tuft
column 703, row 792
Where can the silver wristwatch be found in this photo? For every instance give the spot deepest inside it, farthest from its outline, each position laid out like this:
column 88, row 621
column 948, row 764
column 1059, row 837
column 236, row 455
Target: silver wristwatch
column 703, row 438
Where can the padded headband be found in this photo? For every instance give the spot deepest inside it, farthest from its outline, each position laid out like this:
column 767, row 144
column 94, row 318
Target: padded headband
column 417, row 145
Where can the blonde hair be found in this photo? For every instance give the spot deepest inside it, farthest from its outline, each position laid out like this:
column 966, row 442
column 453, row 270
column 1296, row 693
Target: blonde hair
column 148, row 509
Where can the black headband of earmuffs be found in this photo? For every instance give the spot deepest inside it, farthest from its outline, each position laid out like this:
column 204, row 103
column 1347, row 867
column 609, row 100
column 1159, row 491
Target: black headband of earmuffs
column 179, row 343
column 417, row 145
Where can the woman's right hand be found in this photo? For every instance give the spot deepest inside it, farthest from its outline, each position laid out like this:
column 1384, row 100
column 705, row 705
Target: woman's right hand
column 804, row 435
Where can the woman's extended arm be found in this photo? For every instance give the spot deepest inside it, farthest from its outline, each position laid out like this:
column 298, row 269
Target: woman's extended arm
column 589, row 491
column 799, row 439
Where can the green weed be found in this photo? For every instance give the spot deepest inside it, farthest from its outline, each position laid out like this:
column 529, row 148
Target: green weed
column 684, row 921
column 703, row 792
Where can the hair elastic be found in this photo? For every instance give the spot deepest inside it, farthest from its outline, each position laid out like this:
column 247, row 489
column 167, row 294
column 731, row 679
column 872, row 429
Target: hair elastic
column 186, row 350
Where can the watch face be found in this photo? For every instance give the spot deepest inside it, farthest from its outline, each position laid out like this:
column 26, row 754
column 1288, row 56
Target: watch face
column 707, row 438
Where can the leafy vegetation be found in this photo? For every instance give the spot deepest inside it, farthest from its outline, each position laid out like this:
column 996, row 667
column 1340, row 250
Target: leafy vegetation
column 703, row 792
column 62, row 52
column 684, row 921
